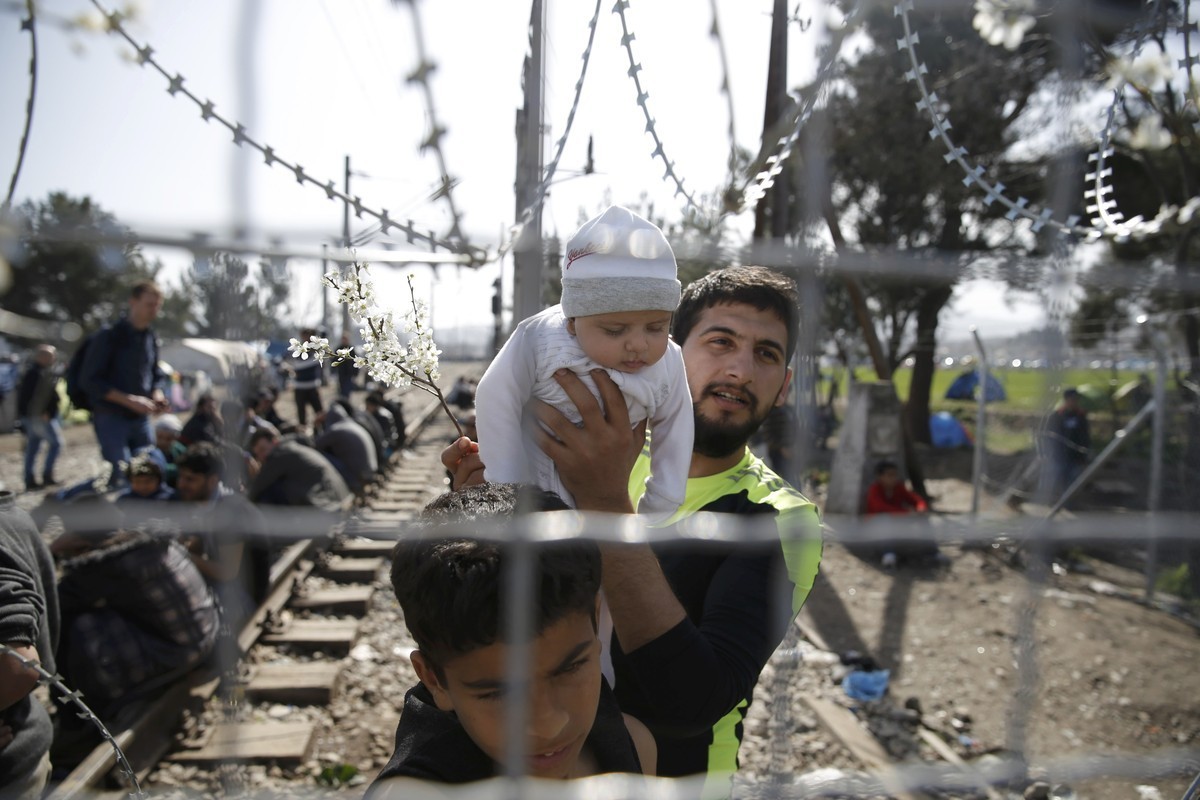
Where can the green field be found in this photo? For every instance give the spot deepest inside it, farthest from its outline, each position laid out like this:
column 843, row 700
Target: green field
column 1028, row 390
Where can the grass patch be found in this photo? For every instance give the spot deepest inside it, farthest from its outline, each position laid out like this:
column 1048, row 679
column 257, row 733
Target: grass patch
column 1028, row 390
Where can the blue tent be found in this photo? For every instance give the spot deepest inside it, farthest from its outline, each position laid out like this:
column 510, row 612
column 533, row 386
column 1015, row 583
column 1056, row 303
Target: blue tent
column 946, row 431
column 965, row 384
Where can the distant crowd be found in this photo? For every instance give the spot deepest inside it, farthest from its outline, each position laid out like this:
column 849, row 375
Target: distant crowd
column 166, row 555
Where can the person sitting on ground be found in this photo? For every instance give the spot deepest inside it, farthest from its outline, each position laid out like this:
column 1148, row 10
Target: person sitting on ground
column 264, row 406
column 452, row 727
column 887, row 494
column 146, row 482
column 250, row 422
column 348, row 445
column 135, row 612
column 292, row 473
column 385, row 418
column 29, row 625
column 205, row 424
column 371, row 426
column 226, row 536
column 166, row 439
column 619, row 290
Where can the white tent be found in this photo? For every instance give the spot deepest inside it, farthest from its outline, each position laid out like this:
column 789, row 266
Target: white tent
column 220, row 359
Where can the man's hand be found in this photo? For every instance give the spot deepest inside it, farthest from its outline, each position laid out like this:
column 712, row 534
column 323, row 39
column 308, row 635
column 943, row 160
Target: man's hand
column 463, row 462
column 161, row 406
column 594, row 460
column 142, row 406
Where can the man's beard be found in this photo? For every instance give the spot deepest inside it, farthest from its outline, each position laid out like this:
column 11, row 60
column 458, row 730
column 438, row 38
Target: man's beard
column 720, row 439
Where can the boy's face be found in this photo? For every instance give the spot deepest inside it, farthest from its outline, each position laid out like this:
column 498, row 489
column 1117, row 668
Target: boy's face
column 889, row 478
column 164, row 439
column 564, row 693
column 144, row 485
column 627, row 341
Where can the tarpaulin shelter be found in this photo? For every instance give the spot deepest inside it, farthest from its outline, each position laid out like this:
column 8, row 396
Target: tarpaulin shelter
column 220, row 359
column 946, row 431
column 965, row 385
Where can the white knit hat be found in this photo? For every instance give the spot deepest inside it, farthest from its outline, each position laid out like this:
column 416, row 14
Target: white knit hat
column 618, row 262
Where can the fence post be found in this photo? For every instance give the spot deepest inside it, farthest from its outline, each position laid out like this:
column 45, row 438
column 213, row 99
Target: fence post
column 1154, row 502
column 980, row 424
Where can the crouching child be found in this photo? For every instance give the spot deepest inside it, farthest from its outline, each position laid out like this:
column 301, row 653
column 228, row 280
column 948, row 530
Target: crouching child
column 452, row 728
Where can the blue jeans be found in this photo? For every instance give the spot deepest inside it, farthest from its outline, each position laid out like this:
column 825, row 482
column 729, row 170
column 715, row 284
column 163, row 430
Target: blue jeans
column 38, row 430
column 120, row 438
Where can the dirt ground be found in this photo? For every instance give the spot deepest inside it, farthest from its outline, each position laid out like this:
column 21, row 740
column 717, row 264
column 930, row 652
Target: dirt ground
column 1107, row 676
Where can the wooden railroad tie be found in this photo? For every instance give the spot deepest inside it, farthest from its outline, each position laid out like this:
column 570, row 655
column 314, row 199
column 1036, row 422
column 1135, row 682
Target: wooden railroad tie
column 365, row 548
column 294, row 684
column 352, row 570
column 352, row 600
column 281, row 742
column 335, row 637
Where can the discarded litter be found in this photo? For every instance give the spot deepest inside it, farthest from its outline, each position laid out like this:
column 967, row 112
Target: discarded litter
column 862, row 685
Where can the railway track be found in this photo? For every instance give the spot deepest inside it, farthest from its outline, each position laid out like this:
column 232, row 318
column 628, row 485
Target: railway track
column 320, row 589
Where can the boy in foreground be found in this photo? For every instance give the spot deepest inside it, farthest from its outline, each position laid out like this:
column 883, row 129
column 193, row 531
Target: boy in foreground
column 453, row 724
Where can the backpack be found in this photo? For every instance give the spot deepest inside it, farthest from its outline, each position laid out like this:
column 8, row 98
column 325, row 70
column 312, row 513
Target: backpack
column 75, row 391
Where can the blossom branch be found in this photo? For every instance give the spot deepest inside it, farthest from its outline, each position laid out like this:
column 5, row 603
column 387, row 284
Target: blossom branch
column 385, row 358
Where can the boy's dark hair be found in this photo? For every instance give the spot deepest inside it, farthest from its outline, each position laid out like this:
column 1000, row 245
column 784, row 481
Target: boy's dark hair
column 759, row 287
column 450, row 589
column 884, row 465
column 203, row 458
column 144, row 465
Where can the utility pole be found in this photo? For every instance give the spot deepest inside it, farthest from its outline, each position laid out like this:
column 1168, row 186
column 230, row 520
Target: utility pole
column 527, row 251
column 771, row 213
column 324, row 288
column 346, row 239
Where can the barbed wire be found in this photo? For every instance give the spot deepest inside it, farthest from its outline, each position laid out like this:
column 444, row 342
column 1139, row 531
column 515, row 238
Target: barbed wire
column 29, row 25
column 144, row 56
column 769, row 163
column 1104, row 205
column 68, row 697
column 420, row 75
column 975, row 174
column 643, row 96
column 539, row 196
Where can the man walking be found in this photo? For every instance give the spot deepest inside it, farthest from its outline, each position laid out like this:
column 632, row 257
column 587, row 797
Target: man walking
column 120, row 375
column 37, row 406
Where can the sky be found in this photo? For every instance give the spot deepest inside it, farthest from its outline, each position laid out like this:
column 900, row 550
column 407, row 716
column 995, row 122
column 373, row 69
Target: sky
column 318, row 80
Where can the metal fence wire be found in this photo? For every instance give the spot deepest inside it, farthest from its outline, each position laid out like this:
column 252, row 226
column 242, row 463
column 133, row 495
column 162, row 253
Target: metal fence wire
column 1056, row 206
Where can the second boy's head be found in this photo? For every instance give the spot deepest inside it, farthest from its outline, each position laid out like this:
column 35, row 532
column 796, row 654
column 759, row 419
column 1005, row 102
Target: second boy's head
column 619, row 289
column 451, row 591
column 888, row 474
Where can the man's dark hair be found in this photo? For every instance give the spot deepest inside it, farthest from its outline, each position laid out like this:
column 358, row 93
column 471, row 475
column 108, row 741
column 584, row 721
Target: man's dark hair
column 203, row 458
column 884, row 465
column 1069, row 393
column 450, row 589
column 759, row 287
column 261, row 434
column 141, row 287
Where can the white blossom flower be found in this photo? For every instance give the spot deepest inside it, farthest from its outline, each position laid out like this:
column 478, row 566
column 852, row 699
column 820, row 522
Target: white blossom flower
column 1149, row 71
column 1003, row 22
column 1150, row 134
column 383, row 355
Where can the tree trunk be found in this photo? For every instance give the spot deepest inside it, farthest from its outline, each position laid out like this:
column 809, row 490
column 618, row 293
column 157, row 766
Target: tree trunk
column 916, row 410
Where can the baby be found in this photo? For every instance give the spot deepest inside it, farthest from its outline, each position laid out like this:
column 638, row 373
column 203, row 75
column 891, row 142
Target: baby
column 619, row 290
